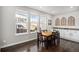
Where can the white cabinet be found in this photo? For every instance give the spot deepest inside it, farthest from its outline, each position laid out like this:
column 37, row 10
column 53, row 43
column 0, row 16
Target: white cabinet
column 69, row 34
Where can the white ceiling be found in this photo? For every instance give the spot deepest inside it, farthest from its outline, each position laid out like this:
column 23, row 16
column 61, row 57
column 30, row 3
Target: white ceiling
column 55, row 10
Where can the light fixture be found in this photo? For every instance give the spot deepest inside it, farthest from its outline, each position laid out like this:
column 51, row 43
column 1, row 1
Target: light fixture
column 71, row 6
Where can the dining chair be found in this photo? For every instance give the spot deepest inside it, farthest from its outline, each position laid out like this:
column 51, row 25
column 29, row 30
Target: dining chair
column 40, row 40
column 57, row 38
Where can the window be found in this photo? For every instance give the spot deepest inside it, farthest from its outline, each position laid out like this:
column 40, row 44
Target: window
column 34, row 23
column 26, row 23
column 21, row 22
column 43, row 24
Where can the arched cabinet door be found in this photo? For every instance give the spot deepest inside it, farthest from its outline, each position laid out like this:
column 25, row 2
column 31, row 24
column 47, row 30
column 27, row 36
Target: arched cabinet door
column 71, row 21
column 63, row 21
column 57, row 22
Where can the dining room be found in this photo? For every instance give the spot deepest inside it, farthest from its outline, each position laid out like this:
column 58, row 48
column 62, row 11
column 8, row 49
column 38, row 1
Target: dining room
column 39, row 28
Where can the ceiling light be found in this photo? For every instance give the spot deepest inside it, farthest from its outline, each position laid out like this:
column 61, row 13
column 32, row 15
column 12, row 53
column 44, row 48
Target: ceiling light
column 71, row 7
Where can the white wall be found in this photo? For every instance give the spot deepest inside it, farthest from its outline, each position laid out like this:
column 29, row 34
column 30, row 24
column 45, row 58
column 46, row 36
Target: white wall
column 8, row 27
column 69, row 34
column 1, row 43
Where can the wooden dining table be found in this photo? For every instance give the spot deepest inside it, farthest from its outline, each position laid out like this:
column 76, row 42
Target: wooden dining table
column 46, row 34
column 48, row 37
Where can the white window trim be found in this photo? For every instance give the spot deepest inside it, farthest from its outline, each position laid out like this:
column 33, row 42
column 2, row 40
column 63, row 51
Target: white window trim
column 37, row 24
column 17, row 10
column 17, row 34
column 28, row 29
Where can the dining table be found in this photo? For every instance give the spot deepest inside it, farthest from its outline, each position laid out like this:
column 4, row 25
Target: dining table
column 48, row 37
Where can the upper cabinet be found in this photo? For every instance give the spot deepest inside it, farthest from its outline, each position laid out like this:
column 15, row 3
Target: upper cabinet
column 63, row 21
column 57, row 22
column 71, row 21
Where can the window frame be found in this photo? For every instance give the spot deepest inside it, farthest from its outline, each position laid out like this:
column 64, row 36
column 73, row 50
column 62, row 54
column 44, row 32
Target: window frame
column 28, row 13
column 43, row 23
column 25, row 13
column 37, row 22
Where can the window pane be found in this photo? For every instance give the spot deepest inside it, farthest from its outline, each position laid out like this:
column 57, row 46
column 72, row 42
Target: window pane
column 33, row 23
column 21, row 23
column 43, row 23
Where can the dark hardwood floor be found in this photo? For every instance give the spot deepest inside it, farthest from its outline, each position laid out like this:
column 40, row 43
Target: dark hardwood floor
column 65, row 46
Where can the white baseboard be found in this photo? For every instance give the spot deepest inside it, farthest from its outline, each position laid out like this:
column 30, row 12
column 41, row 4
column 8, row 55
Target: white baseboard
column 17, row 43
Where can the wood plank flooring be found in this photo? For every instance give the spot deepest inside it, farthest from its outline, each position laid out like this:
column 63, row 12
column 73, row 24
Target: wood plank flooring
column 65, row 46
